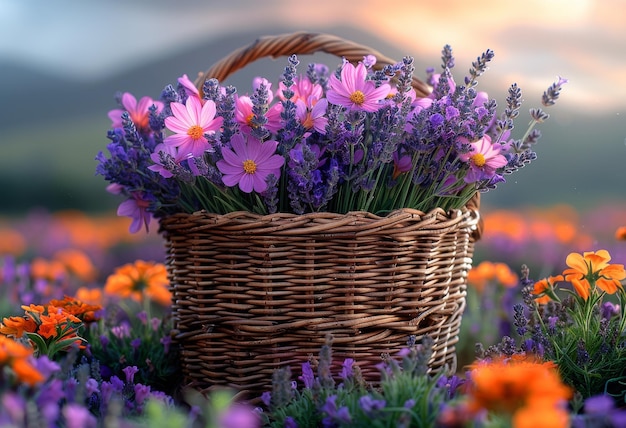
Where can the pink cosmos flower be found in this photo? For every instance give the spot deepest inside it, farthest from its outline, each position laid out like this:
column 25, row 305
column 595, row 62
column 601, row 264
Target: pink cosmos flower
column 189, row 86
column 244, row 115
column 250, row 163
column 190, row 121
column 138, row 111
column 354, row 91
column 313, row 117
column 483, row 158
column 303, row 89
column 136, row 209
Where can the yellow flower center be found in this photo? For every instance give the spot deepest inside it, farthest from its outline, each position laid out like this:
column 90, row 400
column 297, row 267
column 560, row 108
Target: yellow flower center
column 478, row 159
column 357, row 97
column 249, row 120
column 195, row 132
column 249, row 166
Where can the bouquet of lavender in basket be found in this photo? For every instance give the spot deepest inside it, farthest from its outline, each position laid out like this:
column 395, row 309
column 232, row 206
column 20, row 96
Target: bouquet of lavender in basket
column 356, row 138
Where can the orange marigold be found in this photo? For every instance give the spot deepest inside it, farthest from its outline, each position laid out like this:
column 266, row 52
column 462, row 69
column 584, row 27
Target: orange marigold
column 54, row 319
column 138, row 280
column 77, row 308
column 16, row 326
column 515, row 386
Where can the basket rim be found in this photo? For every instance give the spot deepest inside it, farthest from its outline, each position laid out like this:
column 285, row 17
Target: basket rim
column 355, row 222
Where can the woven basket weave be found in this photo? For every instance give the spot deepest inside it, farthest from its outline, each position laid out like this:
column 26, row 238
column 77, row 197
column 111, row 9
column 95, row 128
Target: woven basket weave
column 254, row 293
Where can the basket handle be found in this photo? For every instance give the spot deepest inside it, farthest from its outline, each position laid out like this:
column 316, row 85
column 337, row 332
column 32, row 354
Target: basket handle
column 301, row 43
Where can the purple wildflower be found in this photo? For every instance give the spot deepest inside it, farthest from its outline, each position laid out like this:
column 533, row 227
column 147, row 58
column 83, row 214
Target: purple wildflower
column 130, row 372
column 77, row 416
column 290, row 422
column 136, row 208
column 239, row 416
column 266, row 398
column 142, row 392
column 341, row 414
column 308, row 378
column 92, row 386
column 249, row 163
column 346, row 369
column 370, row 405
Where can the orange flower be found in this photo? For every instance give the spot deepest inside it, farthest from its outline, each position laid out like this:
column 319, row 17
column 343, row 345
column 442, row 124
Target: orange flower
column 620, row 233
column 12, row 242
column 27, row 373
column 76, row 262
column 92, row 296
column 138, row 280
column 593, row 267
column 10, row 349
column 77, row 308
column 505, row 276
column 48, row 327
column 543, row 286
column 15, row 355
column 487, row 271
column 51, row 270
column 16, row 326
column 538, row 416
column 516, row 386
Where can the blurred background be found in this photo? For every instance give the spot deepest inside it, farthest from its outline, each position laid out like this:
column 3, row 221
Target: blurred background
column 62, row 62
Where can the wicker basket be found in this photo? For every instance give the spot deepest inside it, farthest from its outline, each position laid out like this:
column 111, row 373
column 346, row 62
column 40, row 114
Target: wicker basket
column 253, row 293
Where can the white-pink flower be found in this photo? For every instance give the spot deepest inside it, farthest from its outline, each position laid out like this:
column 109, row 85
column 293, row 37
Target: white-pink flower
column 139, row 112
column 190, row 122
column 354, row 91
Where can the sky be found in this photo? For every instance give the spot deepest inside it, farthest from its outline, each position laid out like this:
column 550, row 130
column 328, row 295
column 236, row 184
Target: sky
column 534, row 40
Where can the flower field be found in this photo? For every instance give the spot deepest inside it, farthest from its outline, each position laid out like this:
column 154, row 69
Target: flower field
column 85, row 335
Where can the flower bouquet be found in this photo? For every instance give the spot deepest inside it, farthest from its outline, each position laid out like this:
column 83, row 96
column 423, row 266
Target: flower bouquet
column 340, row 201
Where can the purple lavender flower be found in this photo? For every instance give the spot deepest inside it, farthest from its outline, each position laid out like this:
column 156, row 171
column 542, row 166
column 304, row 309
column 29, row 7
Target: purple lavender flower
column 92, row 386
column 341, row 414
column 142, row 392
column 130, row 372
column 14, row 406
column 117, row 383
column 600, row 404
column 239, row 416
column 166, row 341
column 609, row 310
column 290, row 422
column 308, row 377
column 370, row 405
column 45, row 366
column 266, row 398
column 346, row 369
column 77, row 416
